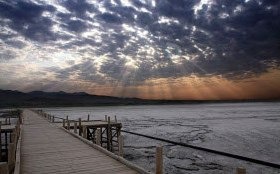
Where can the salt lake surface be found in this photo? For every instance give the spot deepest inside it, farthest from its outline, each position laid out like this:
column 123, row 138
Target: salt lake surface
column 248, row 129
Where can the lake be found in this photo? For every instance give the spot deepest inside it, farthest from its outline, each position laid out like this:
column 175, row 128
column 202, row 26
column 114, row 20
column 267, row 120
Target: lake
column 248, row 129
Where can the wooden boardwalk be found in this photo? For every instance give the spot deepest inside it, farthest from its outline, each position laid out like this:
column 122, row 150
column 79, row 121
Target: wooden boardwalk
column 46, row 148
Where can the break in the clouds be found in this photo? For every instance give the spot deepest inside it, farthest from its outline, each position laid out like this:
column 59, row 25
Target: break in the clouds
column 127, row 42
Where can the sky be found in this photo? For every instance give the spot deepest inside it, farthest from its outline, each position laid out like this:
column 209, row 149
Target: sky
column 154, row 49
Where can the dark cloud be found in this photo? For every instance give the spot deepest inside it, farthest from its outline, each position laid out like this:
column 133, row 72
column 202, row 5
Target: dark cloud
column 182, row 10
column 144, row 19
column 78, row 8
column 110, row 18
column 26, row 18
column 76, row 26
column 126, row 13
column 15, row 43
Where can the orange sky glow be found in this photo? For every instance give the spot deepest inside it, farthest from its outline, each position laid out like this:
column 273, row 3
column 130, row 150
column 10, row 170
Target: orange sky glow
column 265, row 86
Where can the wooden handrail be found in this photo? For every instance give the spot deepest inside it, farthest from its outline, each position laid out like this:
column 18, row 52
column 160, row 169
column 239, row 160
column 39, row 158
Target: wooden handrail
column 13, row 149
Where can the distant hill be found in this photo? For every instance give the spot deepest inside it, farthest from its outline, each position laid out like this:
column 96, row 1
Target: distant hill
column 9, row 98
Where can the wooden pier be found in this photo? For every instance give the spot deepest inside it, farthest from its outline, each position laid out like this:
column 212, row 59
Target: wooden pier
column 37, row 143
column 47, row 147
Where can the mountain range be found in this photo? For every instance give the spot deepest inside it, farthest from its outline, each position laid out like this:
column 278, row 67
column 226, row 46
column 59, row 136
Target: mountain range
column 9, row 98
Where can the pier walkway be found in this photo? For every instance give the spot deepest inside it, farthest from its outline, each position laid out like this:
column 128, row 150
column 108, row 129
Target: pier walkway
column 46, row 148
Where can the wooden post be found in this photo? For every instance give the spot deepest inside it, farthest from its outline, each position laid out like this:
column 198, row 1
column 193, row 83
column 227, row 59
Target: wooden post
column 6, row 120
column 120, row 143
column 20, row 118
column 105, row 117
column 85, row 132
column 116, row 119
column 98, row 136
column 101, row 137
column 109, row 135
column 75, row 127
column 4, row 168
column 53, row 119
column 159, row 160
column 11, row 156
column 13, row 138
column 240, row 170
column 16, row 132
column 0, row 144
column 80, row 126
column 88, row 117
column 63, row 123
column 9, row 120
column 68, row 124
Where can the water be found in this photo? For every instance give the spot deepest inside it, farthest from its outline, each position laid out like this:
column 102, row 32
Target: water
column 248, row 129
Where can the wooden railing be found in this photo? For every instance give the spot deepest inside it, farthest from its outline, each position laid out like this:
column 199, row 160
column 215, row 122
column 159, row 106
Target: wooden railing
column 107, row 134
column 12, row 163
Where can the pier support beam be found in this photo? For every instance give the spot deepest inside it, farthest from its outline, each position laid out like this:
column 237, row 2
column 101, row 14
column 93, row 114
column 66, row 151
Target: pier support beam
column 85, row 132
column 4, row 168
column 240, row 170
column 159, row 160
column 80, row 126
column 109, row 136
column 63, row 123
column 120, row 143
column 0, row 143
column 98, row 136
column 75, row 127
column 68, row 124
column 11, row 156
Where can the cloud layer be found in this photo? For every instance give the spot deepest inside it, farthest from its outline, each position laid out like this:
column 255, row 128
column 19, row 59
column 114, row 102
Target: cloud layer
column 129, row 42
